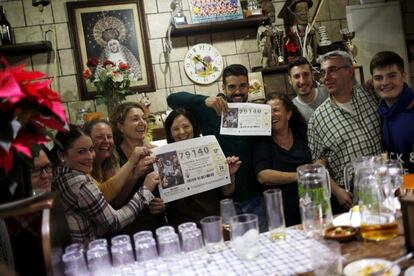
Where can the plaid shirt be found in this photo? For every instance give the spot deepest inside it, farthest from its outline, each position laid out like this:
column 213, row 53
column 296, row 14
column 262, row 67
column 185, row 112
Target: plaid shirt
column 88, row 214
column 341, row 136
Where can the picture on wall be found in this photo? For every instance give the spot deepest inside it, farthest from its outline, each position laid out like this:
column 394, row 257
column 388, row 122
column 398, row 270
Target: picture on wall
column 203, row 11
column 114, row 31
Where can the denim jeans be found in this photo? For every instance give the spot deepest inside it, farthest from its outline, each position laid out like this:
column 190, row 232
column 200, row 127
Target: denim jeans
column 255, row 206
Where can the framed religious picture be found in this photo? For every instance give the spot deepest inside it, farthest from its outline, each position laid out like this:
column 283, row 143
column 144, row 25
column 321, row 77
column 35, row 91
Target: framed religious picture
column 113, row 31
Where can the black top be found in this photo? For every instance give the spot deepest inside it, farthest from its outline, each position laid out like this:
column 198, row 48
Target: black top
column 268, row 155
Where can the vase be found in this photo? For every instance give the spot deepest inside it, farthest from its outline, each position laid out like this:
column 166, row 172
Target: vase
column 112, row 101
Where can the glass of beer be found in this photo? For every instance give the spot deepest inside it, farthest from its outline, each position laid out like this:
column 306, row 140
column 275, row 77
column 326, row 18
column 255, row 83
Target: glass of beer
column 378, row 220
column 407, row 188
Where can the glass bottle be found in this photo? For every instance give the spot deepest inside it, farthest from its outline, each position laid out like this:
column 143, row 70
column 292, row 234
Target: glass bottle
column 179, row 17
column 5, row 29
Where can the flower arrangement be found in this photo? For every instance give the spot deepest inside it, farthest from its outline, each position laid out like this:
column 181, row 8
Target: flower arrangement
column 112, row 81
column 29, row 109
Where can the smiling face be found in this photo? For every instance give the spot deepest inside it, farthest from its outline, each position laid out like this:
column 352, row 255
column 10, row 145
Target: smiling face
column 79, row 156
column 301, row 79
column 236, row 88
column 42, row 174
column 338, row 77
column 388, row 82
column 133, row 128
column 280, row 116
column 103, row 141
column 181, row 129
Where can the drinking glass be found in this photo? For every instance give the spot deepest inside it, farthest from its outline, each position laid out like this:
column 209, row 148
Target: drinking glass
column 98, row 260
column 98, row 243
column 212, row 233
column 74, row 263
column 227, row 211
column 145, row 248
column 191, row 240
column 312, row 221
column 168, row 244
column 407, row 188
column 245, row 235
column 186, row 226
column 121, row 250
column 142, row 234
column 74, row 247
column 327, row 259
column 164, row 230
column 120, row 239
column 275, row 214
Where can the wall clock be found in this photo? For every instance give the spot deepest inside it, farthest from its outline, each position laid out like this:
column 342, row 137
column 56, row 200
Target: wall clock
column 203, row 63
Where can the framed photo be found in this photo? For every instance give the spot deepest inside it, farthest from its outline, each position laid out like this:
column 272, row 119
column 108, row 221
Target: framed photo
column 203, row 11
column 115, row 31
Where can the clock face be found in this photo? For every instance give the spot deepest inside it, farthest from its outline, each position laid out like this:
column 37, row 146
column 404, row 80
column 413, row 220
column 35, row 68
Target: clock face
column 203, row 63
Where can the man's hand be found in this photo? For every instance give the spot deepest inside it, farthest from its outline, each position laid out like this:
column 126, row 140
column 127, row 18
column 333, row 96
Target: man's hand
column 156, row 206
column 234, row 164
column 344, row 197
column 218, row 104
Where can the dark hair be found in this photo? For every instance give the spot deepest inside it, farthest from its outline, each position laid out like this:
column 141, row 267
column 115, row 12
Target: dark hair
column 170, row 120
column 386, row 58
column 296, row 120
column 64, row 141
column 234, row 70
column 297, row 62
column 90, row 124
column 118, row 116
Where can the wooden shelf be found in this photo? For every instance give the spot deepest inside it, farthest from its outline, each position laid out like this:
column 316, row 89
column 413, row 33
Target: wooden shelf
column 271, row 70
column 27, row 48
column 219, row 26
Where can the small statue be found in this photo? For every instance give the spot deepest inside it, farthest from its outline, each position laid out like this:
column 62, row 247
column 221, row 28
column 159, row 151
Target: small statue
column 301, row 38
column 270, row 39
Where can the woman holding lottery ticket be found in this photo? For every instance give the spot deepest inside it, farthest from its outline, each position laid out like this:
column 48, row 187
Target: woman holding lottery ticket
column 180, row 125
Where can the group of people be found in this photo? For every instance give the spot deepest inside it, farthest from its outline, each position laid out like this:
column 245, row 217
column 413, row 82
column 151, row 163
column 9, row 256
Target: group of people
column 104, row 174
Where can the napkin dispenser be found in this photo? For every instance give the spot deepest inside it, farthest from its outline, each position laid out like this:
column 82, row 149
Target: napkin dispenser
column 407, row 209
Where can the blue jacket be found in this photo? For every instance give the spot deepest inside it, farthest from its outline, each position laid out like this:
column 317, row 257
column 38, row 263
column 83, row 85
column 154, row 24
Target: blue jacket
column 398, row 127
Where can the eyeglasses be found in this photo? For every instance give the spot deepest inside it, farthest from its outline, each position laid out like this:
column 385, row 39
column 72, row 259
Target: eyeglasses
column 38, row 171
column 233, row 87
column 331, row 70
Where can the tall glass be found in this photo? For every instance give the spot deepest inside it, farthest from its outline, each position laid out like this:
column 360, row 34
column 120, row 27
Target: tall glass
column 227, row 211
column 245, row 235
column 275, row 213
column 213, row 233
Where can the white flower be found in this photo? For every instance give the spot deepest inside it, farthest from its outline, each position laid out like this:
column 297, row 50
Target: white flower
column 117, row 77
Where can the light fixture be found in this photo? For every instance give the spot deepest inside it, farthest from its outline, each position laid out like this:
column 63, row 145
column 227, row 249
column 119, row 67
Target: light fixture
column 40, row 4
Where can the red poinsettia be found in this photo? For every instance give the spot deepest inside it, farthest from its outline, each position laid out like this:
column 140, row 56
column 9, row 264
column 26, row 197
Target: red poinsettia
column 28, row 106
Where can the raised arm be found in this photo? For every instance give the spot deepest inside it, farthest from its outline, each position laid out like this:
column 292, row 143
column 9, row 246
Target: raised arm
column 234, row 165
column 193, row 102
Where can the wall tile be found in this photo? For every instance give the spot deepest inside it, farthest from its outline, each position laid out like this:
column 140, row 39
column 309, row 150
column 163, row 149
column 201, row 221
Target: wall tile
column 34, row 16
column 13, row 11
column 74, row 107
column 207, row 90
column 68, row 88
column 184, row 88
column 255, row 59
column 278, row 8
column 63, row 38
column 158, row 24
column 67, row 64
column 28, row 34
column 240, row 59
column 157, row 55
column 200, row 38
column 158, row 100
column 179, row 49
column 44, row 63
column 224, row 42
column 337, row 9
column 246, row 41
column 150, row 6
column 354, row 2
column 60, row 13
column 323, row 14
column 164, row 5
column 166, row 78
